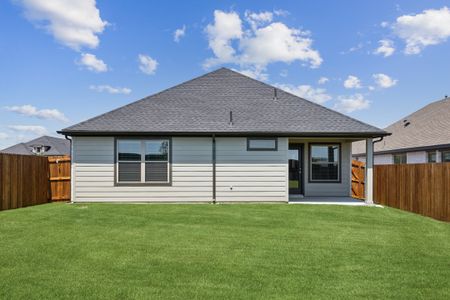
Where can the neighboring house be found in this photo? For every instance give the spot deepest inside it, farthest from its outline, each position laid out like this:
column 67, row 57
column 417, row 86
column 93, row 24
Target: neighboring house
column 421, row 137
column 44, row 145
column 219, row 137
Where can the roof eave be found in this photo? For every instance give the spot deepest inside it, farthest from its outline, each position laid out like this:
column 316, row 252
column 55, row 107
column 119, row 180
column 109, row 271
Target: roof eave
column 408, row 149
column 219, row 133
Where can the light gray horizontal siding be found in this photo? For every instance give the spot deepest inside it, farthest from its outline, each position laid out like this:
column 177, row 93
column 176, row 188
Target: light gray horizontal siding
column 93, row 163
column 243, row 175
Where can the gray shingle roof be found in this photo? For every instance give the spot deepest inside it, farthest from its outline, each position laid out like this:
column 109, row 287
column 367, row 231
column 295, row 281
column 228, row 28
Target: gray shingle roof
column 203, row 105
column 58, row 146
column 429, row 126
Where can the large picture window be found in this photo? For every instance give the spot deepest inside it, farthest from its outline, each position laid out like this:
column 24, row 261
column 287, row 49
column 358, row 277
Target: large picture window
column 143, row 161
column 325, row 162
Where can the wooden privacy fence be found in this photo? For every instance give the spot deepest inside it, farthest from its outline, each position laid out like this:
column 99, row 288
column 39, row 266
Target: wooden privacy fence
column 418, row 188
column 59, row 168
column 27, row 180
column 23, row 181
column 358, row 176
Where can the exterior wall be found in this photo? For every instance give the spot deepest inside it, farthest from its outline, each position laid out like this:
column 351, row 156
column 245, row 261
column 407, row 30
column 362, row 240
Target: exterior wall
column 416, row 157
column 383, row 159
column 313, row 189
column 378, row 159
column 93, row 168
column 243, row 175
column 330, row 189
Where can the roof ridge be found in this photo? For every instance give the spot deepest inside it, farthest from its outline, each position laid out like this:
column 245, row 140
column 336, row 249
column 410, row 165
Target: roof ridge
column 143, row 99
column 309, row 101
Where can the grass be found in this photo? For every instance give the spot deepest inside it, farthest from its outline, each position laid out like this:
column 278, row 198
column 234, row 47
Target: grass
column 110, row 251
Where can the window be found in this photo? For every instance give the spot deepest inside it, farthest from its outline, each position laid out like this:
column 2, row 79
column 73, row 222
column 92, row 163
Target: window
column 143, row 161
column 324, row 163
column 445, row 156
column 262, row 144
column 400, row 158
column 431, row 156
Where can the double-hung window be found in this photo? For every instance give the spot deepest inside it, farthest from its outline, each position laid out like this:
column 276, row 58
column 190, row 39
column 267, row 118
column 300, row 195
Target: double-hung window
column 324, row 163
column 145, row 161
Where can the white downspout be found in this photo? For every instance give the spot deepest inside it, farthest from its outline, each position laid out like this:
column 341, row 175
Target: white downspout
column 369, row 171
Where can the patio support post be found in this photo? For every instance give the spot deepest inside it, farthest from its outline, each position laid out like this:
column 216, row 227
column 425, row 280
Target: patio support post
column 369, row 171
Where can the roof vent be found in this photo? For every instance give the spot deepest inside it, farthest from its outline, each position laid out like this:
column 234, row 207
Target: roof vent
column 406, row 123
column 275, row 96
column 231, row 118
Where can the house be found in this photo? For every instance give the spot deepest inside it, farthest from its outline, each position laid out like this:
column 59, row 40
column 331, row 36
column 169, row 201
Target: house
column 44, row 145
column 422, row 137
column 220, row 137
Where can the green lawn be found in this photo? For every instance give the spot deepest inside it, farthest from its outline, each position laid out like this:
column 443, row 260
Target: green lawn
column 113, row 251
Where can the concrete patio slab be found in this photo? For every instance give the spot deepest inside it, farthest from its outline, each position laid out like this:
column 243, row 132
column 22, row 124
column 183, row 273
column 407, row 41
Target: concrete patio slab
column 329, row 201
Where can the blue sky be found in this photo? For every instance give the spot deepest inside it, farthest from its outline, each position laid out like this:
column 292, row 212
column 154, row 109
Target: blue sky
column 64, row 61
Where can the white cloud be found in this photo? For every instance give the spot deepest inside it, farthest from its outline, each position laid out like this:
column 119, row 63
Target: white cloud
column 179, row 33
column 110, row 89
column 431, row 27
column 35, row 129
column 147, row 64
column 281, row 12
column 351, row 103
column 384, row 24
column 352, row 82
column 323, row 80
column 353, row 49
column 384, row 81
column 3, row 136
column 32, row 111
column 386, row 48
column 318, row 95
column 257, row 19
column 92, row 63
column 260, row 45
column 226, row 27
column 278, row 43
column 75, row 24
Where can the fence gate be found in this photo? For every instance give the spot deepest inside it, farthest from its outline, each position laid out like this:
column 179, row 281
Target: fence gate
column 59, row 167
column 358, row 174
